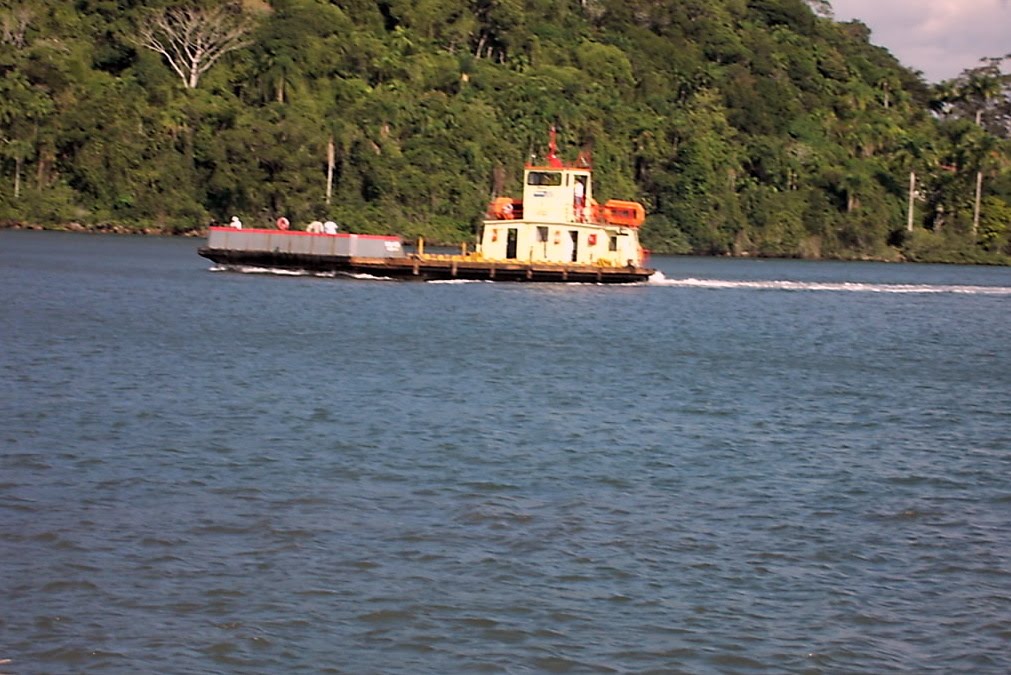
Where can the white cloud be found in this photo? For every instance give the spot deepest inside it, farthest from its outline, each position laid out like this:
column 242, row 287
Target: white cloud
column 939, row 37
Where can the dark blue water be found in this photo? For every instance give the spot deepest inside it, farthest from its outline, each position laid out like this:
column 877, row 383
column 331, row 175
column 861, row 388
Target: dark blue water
column 745, row 466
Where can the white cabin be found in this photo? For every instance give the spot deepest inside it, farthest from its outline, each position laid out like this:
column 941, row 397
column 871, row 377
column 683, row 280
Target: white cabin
column 558, row 221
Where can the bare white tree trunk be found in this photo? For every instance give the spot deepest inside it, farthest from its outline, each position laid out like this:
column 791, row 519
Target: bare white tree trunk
column 17, row 177
column 330, row 154
column 979, row 183
column 979, row 195
column 912, row 194
column 193, row 39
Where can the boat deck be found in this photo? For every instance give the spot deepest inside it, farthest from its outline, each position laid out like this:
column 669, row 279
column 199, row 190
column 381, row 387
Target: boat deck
column 436, row 267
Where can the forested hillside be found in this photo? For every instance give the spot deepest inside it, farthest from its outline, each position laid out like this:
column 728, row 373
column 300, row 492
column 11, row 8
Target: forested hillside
column 746, row 127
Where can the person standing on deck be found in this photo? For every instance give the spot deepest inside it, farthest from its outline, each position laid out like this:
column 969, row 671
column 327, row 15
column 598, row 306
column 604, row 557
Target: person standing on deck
column 579, row 201
column 236, row 223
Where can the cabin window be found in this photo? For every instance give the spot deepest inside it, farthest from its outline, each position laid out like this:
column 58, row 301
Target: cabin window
column 612, row 244
column 542, row 234
column 546, row 178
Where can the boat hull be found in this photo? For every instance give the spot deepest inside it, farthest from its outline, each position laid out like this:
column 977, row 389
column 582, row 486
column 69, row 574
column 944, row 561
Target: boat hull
column 425, row 268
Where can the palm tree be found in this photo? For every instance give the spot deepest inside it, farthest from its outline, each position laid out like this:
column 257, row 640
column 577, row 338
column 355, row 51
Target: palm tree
column 981, row 88
column 982, row 153
column 913, row 152
column 943, row 96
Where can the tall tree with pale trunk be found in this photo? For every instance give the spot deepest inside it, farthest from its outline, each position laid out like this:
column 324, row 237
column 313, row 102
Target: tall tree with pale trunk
column 192, row 39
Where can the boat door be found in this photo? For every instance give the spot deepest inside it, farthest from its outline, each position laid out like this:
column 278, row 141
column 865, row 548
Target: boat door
column 511, row 243
column 575, row 244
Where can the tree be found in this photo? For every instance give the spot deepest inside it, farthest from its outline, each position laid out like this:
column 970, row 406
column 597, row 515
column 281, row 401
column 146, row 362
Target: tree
column 984, row 154
column 498, row 22
column 25, row 97
column 192, row 39
column 981, row 87
column 913, row 152
column 745, row 126
column 943, row 97
column 974, row 93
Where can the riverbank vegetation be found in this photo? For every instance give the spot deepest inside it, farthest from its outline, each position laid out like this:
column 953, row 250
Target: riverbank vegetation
column 746, row 127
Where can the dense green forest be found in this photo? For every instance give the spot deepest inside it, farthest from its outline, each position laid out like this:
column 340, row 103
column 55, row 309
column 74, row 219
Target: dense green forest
column 746, row 127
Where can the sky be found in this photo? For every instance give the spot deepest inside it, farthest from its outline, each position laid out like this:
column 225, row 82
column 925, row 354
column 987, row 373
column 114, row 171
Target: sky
column 941, row 38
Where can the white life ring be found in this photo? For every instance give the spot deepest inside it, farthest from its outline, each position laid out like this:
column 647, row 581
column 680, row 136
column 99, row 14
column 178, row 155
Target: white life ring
column 282, row 223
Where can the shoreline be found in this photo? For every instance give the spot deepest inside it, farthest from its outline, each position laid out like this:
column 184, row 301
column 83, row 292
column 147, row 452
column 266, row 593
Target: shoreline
column 201, row 232
column 105, row 229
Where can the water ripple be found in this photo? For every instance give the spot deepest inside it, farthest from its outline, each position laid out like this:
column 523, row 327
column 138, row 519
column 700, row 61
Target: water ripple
column 240, row 473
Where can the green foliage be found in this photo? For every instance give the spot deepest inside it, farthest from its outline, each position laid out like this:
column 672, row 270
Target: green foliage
column 995, row 226
column 947, row 247
column 660, row 234
column 746, row 127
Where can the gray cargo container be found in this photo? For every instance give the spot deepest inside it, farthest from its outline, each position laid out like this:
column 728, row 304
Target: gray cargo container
column 304, row 244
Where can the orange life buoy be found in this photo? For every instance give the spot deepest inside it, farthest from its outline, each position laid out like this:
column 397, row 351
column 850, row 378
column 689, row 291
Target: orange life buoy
column 592, row 240
column 558, row 237
column 494, row 235
column 282, row 223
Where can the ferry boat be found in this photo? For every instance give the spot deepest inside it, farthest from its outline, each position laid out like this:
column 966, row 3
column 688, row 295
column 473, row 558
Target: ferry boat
column 556, row 232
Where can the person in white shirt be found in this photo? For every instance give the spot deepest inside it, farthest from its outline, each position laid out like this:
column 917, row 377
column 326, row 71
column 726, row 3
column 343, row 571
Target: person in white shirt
column 236, row 223
column 579, row 202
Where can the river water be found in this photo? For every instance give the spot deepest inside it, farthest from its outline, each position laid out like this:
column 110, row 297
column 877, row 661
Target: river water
column 743, row 466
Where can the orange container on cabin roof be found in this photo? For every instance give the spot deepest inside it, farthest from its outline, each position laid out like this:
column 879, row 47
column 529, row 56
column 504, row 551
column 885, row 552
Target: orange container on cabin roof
column 620, row 212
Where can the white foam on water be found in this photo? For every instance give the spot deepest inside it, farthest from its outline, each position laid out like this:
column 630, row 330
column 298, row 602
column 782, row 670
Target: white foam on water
column 249, row 269
column 659, row 279
column 566, row 284
column 278, row 271
column 365, row 277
